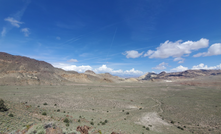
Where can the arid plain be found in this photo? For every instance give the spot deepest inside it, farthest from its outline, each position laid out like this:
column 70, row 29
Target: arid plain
column 126, row 108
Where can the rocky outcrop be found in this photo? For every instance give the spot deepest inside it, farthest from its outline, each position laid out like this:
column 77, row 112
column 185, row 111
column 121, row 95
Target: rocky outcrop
column 83, row 129
column 187, row 74
column 147, row 76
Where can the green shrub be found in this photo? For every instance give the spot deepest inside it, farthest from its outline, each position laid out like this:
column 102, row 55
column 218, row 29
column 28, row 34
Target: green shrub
column 3, row 108
column 11, row 115
column 66, row 120
column 44, row 113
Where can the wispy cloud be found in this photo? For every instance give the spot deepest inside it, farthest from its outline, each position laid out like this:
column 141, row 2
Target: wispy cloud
column 161, row 66
column 14, row 19
column 214, row 49
column 3, row 31
column 13, row 22
column 73, row 60
column 58, row 38
column 25, row 31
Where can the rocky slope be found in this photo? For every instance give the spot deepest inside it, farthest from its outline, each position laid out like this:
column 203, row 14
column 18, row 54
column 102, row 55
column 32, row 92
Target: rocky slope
column 179, row 75
column 19, row 70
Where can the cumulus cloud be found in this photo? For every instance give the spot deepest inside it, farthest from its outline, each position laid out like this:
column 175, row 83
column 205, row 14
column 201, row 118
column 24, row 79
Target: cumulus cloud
column 203, row 66
column 176, row 49
column 179, row 69
column 3, row 31
column 104, row 69
column 73, row 60
column 161, row 66
column 101, row 69
column 25, row 31
column 214, row 49
column 68, row 67
column 13, row 21
column 132, row 54
column 58, row 38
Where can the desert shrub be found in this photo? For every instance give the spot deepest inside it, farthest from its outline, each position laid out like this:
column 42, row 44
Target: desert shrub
column 3, row 108
column 122, row 110
column 92, row 123
column 147, row 128
column 106, row 121
column 103, row 123
column 44, row 113
column 79, row 116
column 45, row 103
column 140, row 108
column 79, row 120
column 58, row 110
column 172, row 122
column 38, row 106
column 11, row 115
column 99, row 131
column 127, row 113
column 98, row 124
column 67, row 124
column 64, row 112
column 180, row 127
column 66, row 120
column 143, row 126
column 41, row 132
column 55, row 104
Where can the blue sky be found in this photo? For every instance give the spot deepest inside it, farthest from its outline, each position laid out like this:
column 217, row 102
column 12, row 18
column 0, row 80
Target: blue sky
column 122, row 37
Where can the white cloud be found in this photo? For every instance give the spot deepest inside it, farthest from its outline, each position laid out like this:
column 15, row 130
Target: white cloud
column 132, row 54
column 68, row 67
column 202, row 66
column 3, row 31
column 179, row 69
column 13, row 21
column 105, row 69
column 148, row 53
column 25, row 31
column 214, row 49
column 161, row 66
column 73, row 60
column 176, row 49
column 101, row 69
column 181, row 60
column 58, row 38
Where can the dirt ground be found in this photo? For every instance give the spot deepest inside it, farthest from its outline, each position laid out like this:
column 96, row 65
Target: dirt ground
column 126, row 108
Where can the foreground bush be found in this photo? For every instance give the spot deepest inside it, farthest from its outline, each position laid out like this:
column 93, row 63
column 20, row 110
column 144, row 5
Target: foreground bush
column 3, row 108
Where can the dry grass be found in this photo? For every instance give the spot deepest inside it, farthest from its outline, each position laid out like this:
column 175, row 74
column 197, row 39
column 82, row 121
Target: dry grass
column 153, row 105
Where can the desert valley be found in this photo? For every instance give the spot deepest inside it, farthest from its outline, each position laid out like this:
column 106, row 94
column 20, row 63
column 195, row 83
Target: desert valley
column 37, row 98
